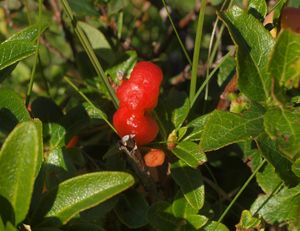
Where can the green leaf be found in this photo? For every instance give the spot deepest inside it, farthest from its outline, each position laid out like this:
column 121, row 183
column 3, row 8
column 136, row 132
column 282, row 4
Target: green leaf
column 181, row 208
column 84, row 226
column 29, row 34
column 190, row 153
column 282, row 207
column 79, row 193
column 161, row 218
column 83, row 8
column 226, row 70
column 98, row 42
column 58, row 167
column 247, row 221
column 197, row 221
column 179, row 114
column 20, row 160
column 296, row 167
column 254, row 45
column 283, row 167
column 190, row 183
column 123, row 68
column 258, row 8
column 268, row 179
column 285, row 61
column 282, row 125
column 12, row 110
column 196, row 127
column 215, row 226
column 132, row 210
column 14, row 51
column 224, row 128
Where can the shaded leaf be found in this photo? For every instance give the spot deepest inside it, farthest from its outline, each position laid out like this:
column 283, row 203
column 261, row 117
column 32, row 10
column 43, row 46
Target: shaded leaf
column 161, row 218
column 296, row 167
column 254, row 45
column 190, row 183
column 196, row 127
column 20, row 160
column 190, row 153
column 132, row 210
column 285, row 61
column 80, row 193
column 283, row 167
column 179, row 114
column 12, row 110
column 123, row 68
column 283, row 126
column 226, row 70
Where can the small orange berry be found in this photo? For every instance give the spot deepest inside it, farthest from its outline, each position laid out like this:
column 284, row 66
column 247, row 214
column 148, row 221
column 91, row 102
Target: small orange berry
column 154, row 158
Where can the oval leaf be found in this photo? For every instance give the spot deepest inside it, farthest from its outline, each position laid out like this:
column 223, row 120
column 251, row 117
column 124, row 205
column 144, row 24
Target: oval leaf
column 14, row 51
column 20, row 160
column 190, row 183
column 80, row 193
column 190, row 153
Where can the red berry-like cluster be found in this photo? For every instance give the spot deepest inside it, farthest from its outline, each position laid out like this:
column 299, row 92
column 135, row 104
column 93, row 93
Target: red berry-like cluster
column 137, row 97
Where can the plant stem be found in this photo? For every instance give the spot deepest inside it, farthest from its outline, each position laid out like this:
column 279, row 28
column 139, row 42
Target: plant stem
column 239, row 193
column 176, row 33
column 90, row 52
column 211, row 74
column 197, row 47
column 101, row 113
column 36, row 56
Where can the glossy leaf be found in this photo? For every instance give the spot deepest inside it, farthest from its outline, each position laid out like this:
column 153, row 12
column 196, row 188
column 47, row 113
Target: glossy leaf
column 254, row 45
column 283, row 167
column 20, row 160
column 190, row 153
column 80, row 193
column 285, row 60
column 224, row 128
column 195, row 220
column 258, row 8
column 190, row 183
column 282, row 125
column 132, row 210
column 283, row 206
column 29, row 34
column 14, row 51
